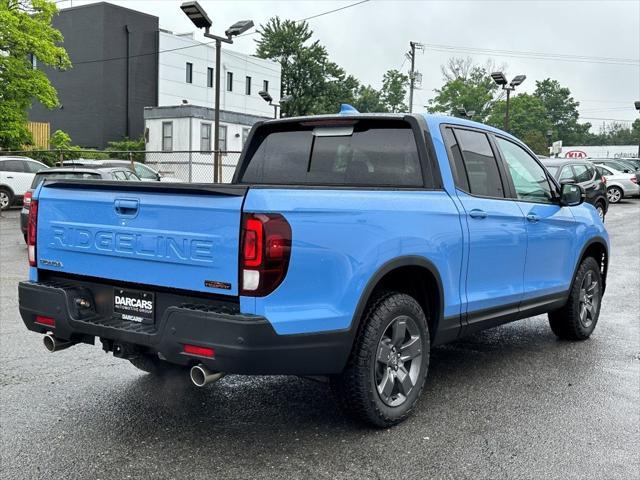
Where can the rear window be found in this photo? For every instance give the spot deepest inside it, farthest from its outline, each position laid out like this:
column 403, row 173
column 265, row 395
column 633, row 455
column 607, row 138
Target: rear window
column 62, row 175
column 365, row 153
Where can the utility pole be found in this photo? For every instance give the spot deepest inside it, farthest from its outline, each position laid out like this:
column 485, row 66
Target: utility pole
column 413, row 75
column 412, row 54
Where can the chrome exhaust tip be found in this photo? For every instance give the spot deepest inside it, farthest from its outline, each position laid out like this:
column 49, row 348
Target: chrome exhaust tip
column 53, row 344
column 201, row 376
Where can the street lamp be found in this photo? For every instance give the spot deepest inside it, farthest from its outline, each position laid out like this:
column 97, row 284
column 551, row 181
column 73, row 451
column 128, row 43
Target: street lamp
column 637, row 105
column 200, row 19
column 501, row 81
column 266, row 96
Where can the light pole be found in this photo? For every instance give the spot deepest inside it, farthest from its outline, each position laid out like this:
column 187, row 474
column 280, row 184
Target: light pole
column 637, row 105
column 266, row 96
column 502, row 81
column 200, row 19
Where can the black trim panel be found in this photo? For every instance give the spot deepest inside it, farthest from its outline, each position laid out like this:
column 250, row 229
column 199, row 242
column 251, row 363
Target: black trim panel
column 494, row 316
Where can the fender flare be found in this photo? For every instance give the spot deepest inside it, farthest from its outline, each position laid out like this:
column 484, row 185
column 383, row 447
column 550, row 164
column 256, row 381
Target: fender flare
column 404, row 261
column 592, row 241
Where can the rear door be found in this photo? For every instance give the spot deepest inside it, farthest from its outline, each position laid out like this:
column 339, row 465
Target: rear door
column 184, row 237
column 587, row 177
column 497, row 231
column 551, row 235
column 17, row 175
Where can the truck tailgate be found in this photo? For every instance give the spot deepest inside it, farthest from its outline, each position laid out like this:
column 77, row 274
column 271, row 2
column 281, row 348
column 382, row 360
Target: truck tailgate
column 179, row 236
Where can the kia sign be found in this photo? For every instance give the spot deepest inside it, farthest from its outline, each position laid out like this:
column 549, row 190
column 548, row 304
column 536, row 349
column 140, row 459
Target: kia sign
column 600, row 151
column 575, row 154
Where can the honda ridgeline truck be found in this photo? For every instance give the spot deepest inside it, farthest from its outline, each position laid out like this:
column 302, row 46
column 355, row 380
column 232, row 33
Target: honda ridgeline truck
column 346, row 246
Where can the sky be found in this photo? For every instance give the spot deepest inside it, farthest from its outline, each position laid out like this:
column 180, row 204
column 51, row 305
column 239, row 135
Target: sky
column 590, row 46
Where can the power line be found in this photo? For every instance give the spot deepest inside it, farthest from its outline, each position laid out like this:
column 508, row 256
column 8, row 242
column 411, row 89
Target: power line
column 534, row 55
column 84, row 62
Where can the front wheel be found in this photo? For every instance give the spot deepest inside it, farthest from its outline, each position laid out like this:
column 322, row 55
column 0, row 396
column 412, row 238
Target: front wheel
column 578, row 318
column 614, row 194
column 388, row 365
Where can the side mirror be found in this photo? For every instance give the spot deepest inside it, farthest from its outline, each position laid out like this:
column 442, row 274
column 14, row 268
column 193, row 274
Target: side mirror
column 571, row 194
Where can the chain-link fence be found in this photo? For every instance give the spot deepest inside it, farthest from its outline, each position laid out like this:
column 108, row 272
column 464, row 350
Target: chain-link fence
column 185, row 166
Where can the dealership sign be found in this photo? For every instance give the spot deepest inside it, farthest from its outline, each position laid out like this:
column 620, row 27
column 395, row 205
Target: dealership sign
column 599, row 151
column 576, row 154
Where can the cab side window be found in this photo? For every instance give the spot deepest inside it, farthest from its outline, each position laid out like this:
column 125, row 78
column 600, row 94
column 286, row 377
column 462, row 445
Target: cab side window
column 12, row 166
column 480, row 164
column 529, row 177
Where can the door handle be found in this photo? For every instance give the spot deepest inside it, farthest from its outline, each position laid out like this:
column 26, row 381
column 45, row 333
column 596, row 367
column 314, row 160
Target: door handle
column 533, row 218
column 9, row 176
column 126, row 207
column 475, row 213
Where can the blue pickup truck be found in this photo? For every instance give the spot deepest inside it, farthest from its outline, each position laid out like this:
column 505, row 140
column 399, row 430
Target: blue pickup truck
column 347, row 246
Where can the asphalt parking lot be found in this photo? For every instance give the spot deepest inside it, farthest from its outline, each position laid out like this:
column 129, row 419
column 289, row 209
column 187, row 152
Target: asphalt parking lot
column 511, row 402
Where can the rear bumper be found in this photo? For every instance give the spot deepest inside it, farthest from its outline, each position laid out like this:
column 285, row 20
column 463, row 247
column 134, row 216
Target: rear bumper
column 243, row 344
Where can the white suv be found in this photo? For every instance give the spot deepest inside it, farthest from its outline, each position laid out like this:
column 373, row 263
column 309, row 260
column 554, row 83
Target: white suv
column 16, row 175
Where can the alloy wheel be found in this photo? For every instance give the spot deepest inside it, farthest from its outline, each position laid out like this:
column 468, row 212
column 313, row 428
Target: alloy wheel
column 614, row 195
column 589, row 299
column 4, row 200
column 398, row 360
column 600, row 212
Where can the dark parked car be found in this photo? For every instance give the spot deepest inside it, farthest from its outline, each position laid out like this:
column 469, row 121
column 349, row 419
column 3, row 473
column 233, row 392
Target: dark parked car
column 112, row 173
column 145, row 172
column 585, row 174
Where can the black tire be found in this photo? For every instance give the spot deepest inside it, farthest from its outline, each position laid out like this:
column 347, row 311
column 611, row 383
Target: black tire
column 357, row 386
column 152, row 364
column 569, row 322
column 600, row 209
column 614, row 194
column 6, row 198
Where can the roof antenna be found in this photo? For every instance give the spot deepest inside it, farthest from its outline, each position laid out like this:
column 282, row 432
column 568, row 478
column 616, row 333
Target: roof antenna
column 346, row 109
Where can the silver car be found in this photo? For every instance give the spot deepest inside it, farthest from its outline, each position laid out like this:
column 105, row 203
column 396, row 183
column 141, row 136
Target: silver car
column 619, row 184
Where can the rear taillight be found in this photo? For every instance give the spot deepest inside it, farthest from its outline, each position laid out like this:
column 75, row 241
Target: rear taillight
column 200, row 351
column 45, row 321
column 634, row 180
column 603, row 179
column 265, row 253
column 26, row 200
column 32, row 232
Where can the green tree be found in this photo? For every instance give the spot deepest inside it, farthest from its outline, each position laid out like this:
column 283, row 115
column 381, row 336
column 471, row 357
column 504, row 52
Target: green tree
column 466, row 85
column 315, row 84
column 528, row 120
column 369, row 100
column 394, row 91
column 26, row 32
column 562, row 111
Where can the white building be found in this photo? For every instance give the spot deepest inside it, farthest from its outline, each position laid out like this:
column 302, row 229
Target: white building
column 600, row 151
column 180, row 140
column 181, row 126
column 186, row 72
column 183, row 119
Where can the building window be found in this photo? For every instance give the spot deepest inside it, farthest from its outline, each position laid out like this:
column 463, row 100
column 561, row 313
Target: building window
column 265, row 85
column 247, row 86
column 210, row 77
column 189, row 72
column 222, row 138
column 229, row 81
column 167, row 136
column 245, row 135
column 205, row 137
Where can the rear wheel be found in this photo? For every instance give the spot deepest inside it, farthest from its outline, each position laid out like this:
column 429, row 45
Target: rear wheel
column 614, row 194
column 578, row 318
column 600, row 210
column 6, row 198
column 387, row 368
